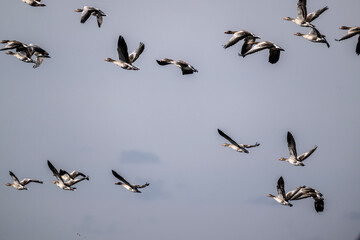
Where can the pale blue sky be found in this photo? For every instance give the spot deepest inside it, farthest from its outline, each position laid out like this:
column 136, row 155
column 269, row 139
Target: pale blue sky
column 156, row 125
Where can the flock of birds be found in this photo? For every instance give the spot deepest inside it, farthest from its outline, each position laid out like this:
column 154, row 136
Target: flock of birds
column 301, row 192
column 65, row 180
column 25, row 52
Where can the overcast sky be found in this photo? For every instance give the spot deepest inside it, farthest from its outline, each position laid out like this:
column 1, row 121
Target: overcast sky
column 158, row 126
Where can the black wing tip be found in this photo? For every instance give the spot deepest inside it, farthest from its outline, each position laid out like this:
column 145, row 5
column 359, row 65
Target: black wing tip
column 281, row 179
column 121, row 38
column 115, row 174
column 319, row 205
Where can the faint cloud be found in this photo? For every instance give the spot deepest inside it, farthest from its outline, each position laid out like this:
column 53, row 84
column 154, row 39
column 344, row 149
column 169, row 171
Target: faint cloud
column 158, row 191
column 90, row 225
column 355, row 216
column 137, row 157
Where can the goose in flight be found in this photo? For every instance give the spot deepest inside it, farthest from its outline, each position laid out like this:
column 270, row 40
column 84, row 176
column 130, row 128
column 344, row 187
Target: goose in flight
column 298, row 194
column 87, row 11
column 126, row 60
column 283, row 198
column 127, row 185
column 274, row 50
column 34, row 3
column 40, row 54
column 184, row 66
column 307, row 192
column 237, row 36
column 352, row 31
column 314, row 36
column 20, row 185
column 70, row 176
column 234, row 145
column 60, row 182
column 25, row 52
column 304, row 19
column 294, row 159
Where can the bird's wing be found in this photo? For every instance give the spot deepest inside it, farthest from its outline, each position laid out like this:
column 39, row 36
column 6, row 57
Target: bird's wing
column 14, row 178
column 235, row 38
column 257, row 47
column 315, row 32
column 358, row 46
column 85, row 14
column 291, row 145
column 100, row 12
column 293, row 195
column 274, row 55
column 228, row 138
column 75, row 173
column 27, row 180
column 123, row 50
column 314, row 15
column 248, row 42
column 142, row 186
column 281, row 188
column 319, row 205
column 301, row 10
column 35, row 49
column 74, row 181
column 249, row 146
column 62, row 172
column 349, row 35
column 185, row 67
column 120, row 178
column 165, row 61
column 99, row 19
column 55, row 171
column 38, row 62
column 135, row 54
column 303, row 156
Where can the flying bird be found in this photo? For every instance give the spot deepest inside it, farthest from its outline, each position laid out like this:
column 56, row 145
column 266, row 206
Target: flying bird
column 184, row 66
column 60, row 182
column 297, row 194
column 125, row 60
column 308, row 192
column 283, row 198
column 352, row 31
column 314, row 36
column 25, row 52
column 127, row 185
column 234, row 145
column 87, row 11
column 20, row 185
column 34, row 3
column 304, row 19
column 237, row 36
column 40, row 54
column 294, row 159
column 274, row 50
